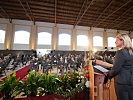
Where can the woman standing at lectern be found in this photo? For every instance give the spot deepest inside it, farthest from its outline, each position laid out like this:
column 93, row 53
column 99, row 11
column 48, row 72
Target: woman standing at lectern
column 122, row 69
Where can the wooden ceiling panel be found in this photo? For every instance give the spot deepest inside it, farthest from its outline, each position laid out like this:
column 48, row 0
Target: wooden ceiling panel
column 112, row 14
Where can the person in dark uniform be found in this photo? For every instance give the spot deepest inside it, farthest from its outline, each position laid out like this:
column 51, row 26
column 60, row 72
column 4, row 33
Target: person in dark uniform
column 47, row 66
column 122, row 69
column 34, row 64
column 61, row 65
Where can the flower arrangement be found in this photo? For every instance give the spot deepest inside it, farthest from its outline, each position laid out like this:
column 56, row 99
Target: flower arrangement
column 36, row 84
column 87, row 69
column 86, row 72
column 87, row 76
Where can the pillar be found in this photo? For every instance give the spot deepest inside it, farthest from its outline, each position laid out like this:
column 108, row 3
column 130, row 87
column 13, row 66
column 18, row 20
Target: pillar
column 55, row 38
column 90, row 40
column 33, row 37
column 105, row 40
column 74, row 39
column 9, row 37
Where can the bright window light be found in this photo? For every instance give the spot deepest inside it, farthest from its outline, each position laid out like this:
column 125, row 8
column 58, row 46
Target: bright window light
column 2, row 36
column 21, row 37
column 44, row 38
column 111, row 42
column 82, row 40
column 64, row 39
column 97, row 41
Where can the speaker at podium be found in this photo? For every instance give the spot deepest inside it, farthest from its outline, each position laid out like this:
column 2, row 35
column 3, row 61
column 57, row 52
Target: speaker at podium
column 100, row 90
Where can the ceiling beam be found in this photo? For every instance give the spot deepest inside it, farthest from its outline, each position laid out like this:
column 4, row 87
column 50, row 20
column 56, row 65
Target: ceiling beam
column 127, row 27
column 55, row 12
column 80, row 11
column 84, row 13
column 7, row 16
column 27, row 14
column 32, row 15
column 119, row 17
column 59, row 15
column 113, row 13
column 118, row 25
column 104, row 10
column 73, row 12
column 2, row 15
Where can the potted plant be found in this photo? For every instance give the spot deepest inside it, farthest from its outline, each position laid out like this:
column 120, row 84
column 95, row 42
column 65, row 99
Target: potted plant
column 70, row 85
column 28, row 86
column 37, row 84
column 9, row 87
column 43, row 86
column 48, row 84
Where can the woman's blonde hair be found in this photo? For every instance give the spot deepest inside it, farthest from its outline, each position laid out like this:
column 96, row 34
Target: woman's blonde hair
column 127, row 42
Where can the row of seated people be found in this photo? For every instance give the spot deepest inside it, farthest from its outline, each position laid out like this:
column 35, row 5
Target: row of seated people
column 107, row 56
column 11, row 61
column 4, row 61
column 63, row 62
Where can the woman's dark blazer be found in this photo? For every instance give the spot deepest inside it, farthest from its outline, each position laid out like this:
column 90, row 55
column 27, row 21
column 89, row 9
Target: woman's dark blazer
column 122, row 70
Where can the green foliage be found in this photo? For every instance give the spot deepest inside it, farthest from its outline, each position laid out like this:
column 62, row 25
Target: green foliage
column 48, row 83
column 70, row 84
column 75, row 80
column 9, row 87
column 38, row 84
column 29, row 87
column 42, row 84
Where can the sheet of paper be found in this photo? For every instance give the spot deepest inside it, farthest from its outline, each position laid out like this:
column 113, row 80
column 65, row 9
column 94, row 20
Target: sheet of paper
column 102, row 69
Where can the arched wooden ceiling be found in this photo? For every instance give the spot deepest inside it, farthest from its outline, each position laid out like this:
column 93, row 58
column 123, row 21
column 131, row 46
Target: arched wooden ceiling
column 108, row 14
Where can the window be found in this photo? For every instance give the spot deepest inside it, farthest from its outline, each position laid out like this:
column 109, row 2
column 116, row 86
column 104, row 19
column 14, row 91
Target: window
column 98, row 41
column 111, row 41
column 44, row 38
column 82, row 40
column 21, row 37
column 2, row 36
column 64, row 39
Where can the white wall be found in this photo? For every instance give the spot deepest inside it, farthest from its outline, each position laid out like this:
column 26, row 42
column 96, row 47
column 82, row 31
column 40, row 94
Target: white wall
column 44, row 26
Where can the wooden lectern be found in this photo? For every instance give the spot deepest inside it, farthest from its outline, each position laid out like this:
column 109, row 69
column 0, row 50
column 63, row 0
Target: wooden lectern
column 99, row 90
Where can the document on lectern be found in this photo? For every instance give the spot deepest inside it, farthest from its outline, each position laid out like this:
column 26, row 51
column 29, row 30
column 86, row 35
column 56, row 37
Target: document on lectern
column 100, row 68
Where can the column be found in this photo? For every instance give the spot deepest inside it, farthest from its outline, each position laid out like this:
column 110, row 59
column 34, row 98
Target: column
column 55, row 38
column 90, row 40
column 33, row 37
column 9, row 37
column 105, row 41
column 74, row 39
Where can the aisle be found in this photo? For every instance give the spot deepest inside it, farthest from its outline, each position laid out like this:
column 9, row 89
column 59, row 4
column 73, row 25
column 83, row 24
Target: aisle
column 20, row 72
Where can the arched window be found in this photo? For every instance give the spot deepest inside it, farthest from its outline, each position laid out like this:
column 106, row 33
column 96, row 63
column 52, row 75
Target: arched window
column 21, row 37
column 98, row 41
column 44, row 38
column 111, row 41
column 2, row 36
column 82, row 40
column 64, row 39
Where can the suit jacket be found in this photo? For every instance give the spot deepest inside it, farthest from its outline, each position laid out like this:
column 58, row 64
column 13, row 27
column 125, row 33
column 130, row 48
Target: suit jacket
column 122, row 70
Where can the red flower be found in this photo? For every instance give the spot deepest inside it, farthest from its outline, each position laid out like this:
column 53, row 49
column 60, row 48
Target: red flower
column 86, row 68
column 87, row 75
column 70, row 75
